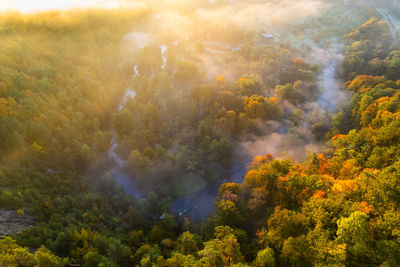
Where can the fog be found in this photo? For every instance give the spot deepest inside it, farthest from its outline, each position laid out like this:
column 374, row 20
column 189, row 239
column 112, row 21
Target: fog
column 173, row 30
column 259, row 15
column 169, row 26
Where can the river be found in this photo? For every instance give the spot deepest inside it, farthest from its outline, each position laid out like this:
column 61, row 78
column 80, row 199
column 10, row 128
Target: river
column 198, row 204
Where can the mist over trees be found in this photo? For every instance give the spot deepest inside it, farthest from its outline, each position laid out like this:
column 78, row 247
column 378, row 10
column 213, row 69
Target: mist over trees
column 180, row 109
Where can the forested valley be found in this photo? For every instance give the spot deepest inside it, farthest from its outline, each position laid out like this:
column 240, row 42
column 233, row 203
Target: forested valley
column 209, row 133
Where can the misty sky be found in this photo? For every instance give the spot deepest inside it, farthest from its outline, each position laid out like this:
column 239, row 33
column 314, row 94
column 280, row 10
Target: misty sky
column 29, row 6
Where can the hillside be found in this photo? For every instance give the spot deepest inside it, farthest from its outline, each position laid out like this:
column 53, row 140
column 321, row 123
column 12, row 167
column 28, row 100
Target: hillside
column 164, row 135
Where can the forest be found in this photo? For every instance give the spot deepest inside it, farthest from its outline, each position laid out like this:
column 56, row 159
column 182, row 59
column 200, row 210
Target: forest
column 164, row 135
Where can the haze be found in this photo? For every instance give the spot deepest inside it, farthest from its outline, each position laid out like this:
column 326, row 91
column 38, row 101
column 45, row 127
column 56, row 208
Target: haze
column 199, row 133
column 31, row 6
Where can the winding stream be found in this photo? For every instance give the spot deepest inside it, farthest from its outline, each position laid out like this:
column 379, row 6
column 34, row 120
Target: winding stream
column 12, row 223
column 198, row 204
column 120, row 175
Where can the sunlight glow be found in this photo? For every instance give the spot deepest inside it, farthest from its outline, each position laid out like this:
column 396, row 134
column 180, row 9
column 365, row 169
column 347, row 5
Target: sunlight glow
column 29, row 6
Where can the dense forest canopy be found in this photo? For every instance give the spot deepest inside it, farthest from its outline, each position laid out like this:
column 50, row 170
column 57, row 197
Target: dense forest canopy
column 201, row 133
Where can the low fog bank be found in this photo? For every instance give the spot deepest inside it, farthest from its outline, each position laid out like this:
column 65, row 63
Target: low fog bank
column 284, row 141
column 298, row 142
column 183, row 24
column 168, row 31
column 282, row 146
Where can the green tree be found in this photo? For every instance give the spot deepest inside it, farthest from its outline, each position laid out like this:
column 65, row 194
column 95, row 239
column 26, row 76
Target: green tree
column 186, row 243
column 353, row 231
column 45, row 258
column 224, row 250
column 227, row 213
column 265, row 258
